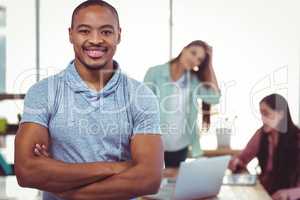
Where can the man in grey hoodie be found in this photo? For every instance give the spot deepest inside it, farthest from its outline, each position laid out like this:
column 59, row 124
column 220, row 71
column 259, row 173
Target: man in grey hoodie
column 90, row 132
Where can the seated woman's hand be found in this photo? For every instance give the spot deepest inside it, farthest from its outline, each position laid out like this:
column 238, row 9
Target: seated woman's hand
column 236, row 165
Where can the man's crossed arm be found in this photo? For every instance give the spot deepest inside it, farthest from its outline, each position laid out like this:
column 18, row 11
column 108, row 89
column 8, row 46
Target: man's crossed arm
column 98, row 180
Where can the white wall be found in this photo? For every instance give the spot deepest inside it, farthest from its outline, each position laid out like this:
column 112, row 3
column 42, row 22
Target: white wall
column 256, row 47
column 21, row 43
column 135, row 54
column 20, row 51
column 144, row 34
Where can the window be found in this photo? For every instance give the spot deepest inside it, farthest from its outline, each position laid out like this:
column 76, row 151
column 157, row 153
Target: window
column 2, row 47
column 21, row 46
column 17, row 52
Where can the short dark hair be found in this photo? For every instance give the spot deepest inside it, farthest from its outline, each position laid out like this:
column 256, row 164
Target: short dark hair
column 88, row 3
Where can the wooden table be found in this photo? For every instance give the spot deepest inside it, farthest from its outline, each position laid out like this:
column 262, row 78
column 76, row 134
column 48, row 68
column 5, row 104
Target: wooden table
column 220, row 152
column 230, row 192
column 242, row 193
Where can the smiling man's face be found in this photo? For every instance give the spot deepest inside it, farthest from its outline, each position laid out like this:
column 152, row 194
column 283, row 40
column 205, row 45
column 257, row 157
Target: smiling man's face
column 95, row 34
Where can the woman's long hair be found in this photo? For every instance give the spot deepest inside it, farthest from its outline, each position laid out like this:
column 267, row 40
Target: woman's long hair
column 285, row 171
column 200, row 76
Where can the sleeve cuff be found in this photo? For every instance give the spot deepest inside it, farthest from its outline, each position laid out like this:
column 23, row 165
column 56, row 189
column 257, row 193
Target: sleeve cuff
column 34, row 121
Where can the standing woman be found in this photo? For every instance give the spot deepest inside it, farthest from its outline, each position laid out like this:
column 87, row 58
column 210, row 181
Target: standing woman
column 178, row 84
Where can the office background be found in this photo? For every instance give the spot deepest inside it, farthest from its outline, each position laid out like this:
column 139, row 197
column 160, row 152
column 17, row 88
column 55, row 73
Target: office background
column 256, row 49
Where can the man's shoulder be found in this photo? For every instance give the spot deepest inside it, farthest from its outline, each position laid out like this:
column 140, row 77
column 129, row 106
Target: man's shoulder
column 46, row 85
column 136, row 87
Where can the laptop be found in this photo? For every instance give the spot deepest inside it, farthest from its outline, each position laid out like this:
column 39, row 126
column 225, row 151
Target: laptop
column 197, row 179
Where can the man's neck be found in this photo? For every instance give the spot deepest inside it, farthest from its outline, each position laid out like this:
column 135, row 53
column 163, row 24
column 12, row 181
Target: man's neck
column 95, row 79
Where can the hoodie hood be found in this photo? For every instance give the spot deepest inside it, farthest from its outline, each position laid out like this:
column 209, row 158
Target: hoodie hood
column 75, row 82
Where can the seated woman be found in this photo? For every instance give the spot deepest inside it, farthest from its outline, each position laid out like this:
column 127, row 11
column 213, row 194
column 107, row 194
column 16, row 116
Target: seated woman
column 277, row 146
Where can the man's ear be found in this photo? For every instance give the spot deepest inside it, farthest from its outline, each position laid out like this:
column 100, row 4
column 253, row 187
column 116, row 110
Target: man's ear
column 70, row 35
column 119, row 35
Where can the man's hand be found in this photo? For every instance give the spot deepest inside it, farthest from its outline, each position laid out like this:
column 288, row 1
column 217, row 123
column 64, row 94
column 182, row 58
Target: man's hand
column 41, row 150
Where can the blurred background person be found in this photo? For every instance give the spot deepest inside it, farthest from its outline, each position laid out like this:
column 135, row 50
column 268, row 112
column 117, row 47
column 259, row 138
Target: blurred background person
column 277, row 146
column 178, row 84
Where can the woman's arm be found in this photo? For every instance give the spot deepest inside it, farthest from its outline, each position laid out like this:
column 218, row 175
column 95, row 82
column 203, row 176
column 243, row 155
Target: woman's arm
column 250, row 151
